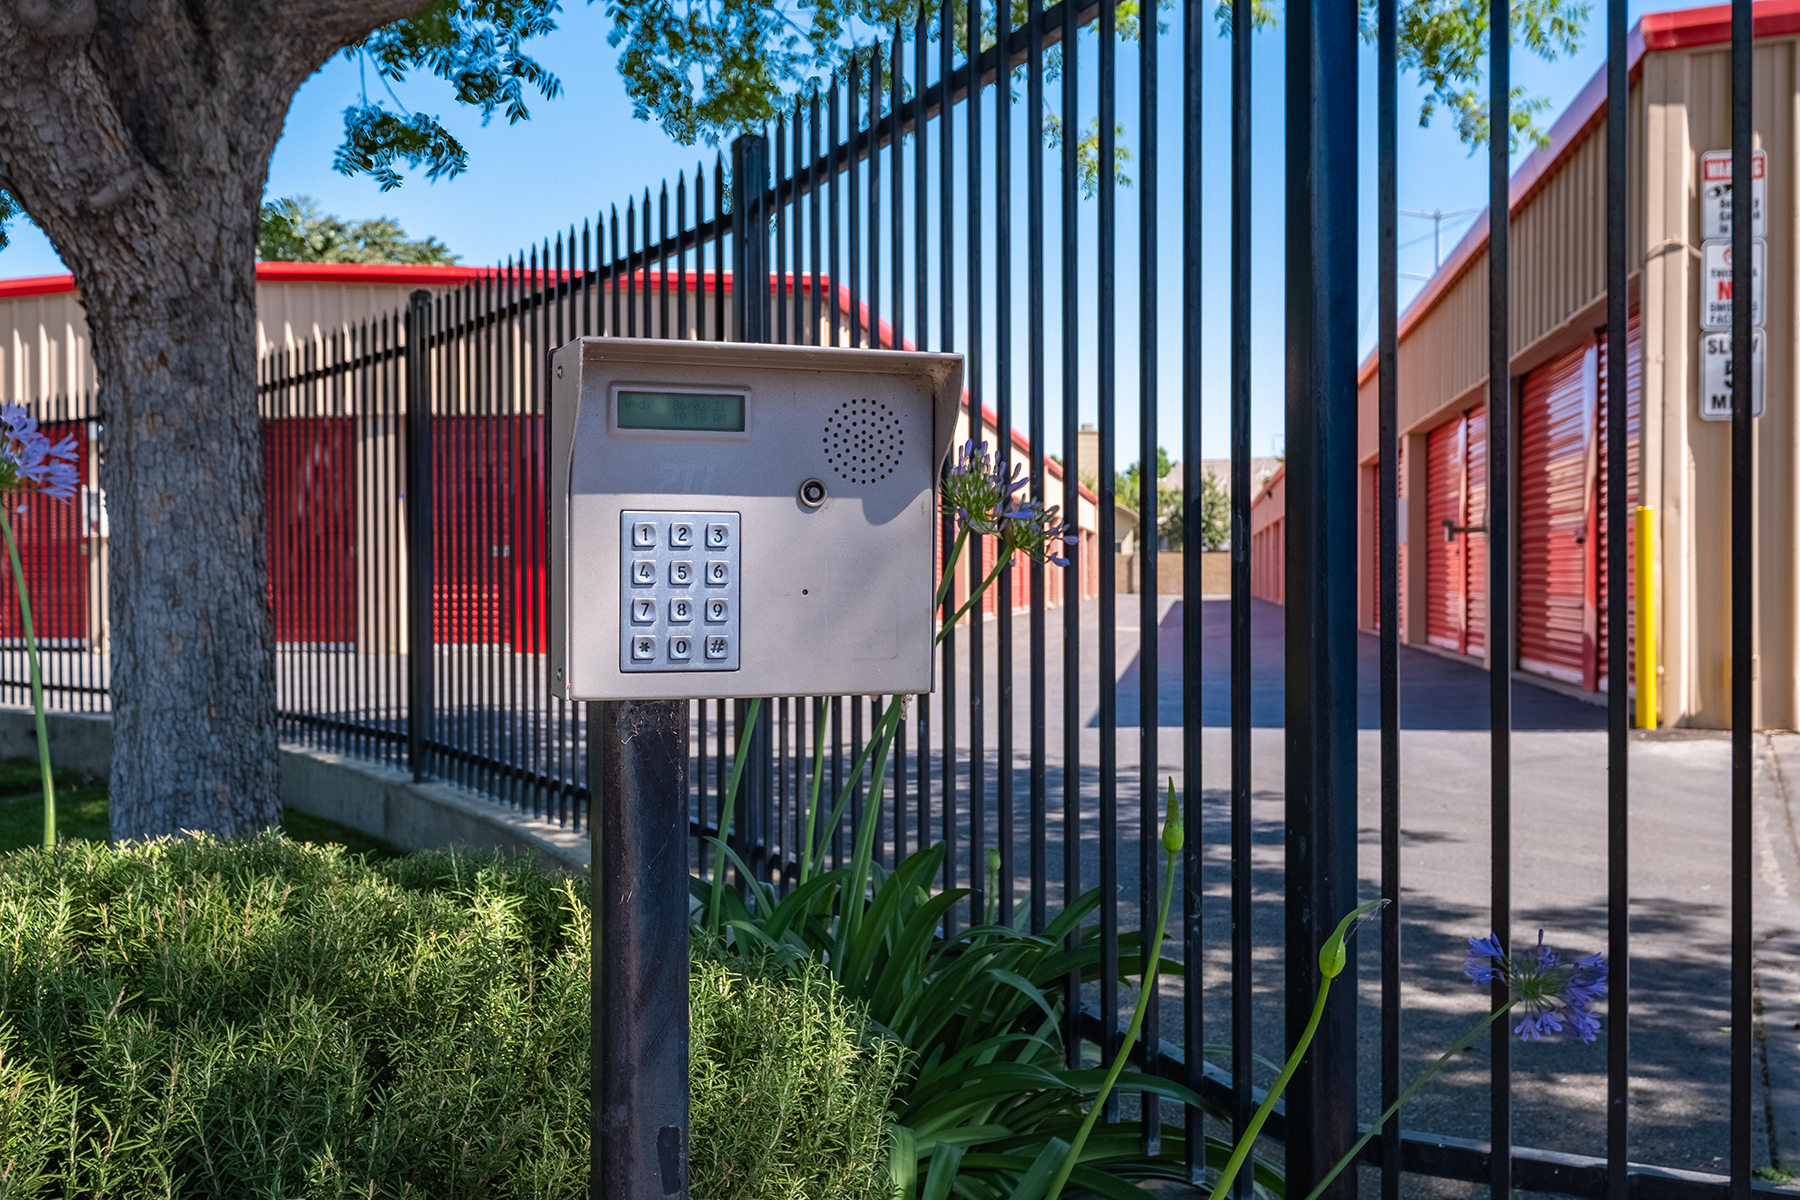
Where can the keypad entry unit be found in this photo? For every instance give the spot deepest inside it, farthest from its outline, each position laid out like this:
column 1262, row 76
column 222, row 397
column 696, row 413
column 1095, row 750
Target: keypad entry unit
column 679, row 591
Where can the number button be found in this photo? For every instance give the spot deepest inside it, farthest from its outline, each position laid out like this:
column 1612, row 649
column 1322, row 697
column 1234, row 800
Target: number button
column 643, row 611
column 643, row 535
column 718, row 611
column 681, row 649
column 681, row 535
column 718, row 536
column 681, row 610
column 643, row 572
column 718, row 572
column 681, row 573
column 643, row 648
column 718, row 646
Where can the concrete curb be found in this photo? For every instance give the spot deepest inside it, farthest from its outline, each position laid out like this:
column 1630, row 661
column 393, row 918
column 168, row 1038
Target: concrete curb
column 373, row 798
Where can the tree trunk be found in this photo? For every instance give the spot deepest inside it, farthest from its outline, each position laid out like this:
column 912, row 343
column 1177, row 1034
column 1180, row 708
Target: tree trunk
column 137, row 134
column 192, row 652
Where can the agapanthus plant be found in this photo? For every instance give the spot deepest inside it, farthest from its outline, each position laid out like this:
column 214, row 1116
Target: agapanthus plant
column 983, row 497
column 1554, row 996
column 30, row 464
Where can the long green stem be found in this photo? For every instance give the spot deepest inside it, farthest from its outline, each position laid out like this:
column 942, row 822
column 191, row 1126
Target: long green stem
column 739, row 758
column 1241, row 1151
column 1152, row 954
column 864, row 852
column 37, row 684
column 944, row 630
column 878, row 736
column 956, row 549
column 1424, row 1077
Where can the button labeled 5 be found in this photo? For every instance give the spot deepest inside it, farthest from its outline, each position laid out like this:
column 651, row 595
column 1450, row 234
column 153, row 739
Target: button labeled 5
column 681, row 573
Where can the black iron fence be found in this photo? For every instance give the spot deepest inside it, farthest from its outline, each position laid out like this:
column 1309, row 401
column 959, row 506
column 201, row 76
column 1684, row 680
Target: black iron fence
column 910, row 202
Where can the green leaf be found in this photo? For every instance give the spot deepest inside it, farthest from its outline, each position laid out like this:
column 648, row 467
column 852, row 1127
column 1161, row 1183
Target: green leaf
column 944, row 1163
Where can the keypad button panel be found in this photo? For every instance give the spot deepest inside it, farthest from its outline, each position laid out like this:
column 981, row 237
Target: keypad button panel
column 679, row 578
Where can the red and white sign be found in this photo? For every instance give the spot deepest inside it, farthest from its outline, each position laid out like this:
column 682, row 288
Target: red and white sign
column 1716, row 283
column 1715, row 194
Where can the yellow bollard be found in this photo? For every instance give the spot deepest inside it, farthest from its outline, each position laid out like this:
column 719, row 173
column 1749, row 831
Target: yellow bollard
column 1646, row 619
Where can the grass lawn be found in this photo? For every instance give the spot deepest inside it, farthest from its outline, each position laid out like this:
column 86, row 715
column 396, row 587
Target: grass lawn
column 81, row 813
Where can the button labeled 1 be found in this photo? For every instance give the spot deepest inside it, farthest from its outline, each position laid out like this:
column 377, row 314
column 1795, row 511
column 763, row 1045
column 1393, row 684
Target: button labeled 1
column 643, row 534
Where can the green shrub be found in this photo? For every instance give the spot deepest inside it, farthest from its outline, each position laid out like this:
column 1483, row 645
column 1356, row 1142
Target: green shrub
column 269, row 1019
column 266, row 1019
column 790, row 1089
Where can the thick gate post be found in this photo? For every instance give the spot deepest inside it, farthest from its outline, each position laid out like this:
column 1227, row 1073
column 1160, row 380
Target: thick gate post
column 1321, row 565
column 637, row 764
column 750, row 238
column 420, row 485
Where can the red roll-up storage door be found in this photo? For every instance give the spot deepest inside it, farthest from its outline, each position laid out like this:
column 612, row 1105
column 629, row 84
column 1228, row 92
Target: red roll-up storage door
column 309, row 469
column 1455, row 560
column 1445, row 572
column 1633, row 422
column 1556, row 471
column 1475, row 552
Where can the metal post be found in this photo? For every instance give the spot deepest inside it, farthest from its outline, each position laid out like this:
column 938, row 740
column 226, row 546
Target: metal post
column 419, row 492
column 637, row 762
column 1743, row 646
column 1322, row 42
column 750, row 237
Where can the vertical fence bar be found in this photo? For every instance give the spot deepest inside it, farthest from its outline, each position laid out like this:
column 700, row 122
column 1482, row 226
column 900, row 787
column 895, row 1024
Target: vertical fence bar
column 1150, row 599
column 1003, row 387
column 1321, row 599
column 1499, row 581
column 1743, row 581
column 1242, row 962
column 419, row 652
column 978, row 899
column 1106, row 376
column 1387, row 218
column 1618, row 541
column 1068, row 335
column 872, row 296
column 1194, row 18
column 1034, row 204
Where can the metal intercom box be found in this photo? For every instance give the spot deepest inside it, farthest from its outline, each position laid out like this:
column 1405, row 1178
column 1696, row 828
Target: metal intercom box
column 744, row 520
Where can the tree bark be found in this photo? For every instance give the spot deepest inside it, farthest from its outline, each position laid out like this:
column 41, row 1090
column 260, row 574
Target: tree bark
column 137, row 134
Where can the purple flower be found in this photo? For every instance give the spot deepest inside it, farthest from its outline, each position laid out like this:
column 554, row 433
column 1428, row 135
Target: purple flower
column 1552, row 997
column 29, row 463
column 985, row 496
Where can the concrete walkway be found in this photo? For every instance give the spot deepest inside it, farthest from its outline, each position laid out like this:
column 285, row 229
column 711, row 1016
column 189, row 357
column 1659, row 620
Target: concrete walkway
column 1680, row 870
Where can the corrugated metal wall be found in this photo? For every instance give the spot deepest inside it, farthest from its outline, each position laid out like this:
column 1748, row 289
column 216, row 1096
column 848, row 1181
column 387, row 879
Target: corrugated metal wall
column 1686, row 461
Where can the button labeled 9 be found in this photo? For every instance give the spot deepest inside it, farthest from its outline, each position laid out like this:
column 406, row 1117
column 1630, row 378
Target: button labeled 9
column 718, row 610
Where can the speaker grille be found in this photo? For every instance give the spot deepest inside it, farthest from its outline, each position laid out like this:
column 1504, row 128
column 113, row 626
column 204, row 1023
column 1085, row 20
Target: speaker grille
column 863, row 440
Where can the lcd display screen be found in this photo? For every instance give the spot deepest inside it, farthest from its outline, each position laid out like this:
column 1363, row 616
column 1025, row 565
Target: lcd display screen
column 698, row 411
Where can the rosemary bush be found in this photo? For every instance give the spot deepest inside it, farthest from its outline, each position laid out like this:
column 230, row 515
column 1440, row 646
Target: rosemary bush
column 269, row 1020
column 790, row 1089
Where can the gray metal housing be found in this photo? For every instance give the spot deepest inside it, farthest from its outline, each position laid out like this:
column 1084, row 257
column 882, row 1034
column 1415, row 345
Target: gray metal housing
column 835, row 599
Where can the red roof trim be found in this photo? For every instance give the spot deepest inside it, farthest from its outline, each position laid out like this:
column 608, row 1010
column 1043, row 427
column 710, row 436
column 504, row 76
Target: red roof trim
column 36, row 285
column 1712, row 25
column 306, row 272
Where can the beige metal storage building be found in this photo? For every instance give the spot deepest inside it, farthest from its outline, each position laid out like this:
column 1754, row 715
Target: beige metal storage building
column 1680, row 464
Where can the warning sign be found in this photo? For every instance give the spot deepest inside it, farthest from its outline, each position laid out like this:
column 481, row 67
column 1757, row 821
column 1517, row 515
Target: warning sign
column 1716, row 283
column 1715, row 375
column 1715, row 194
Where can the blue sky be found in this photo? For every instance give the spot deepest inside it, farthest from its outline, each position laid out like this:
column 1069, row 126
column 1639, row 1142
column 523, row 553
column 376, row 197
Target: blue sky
column 584, row 151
